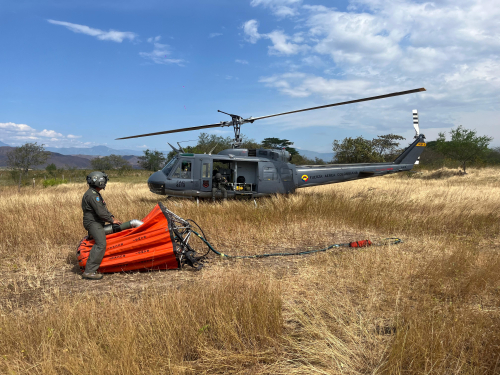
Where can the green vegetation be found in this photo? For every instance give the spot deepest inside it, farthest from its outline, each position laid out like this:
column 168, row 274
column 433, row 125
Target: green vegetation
column 152, row 160
column 24, row 157
column 465, row 145
column 110, row 162
column 355, row 150
column 51, row 169
column 279, row 144
column 54, row 182
column 384, row 148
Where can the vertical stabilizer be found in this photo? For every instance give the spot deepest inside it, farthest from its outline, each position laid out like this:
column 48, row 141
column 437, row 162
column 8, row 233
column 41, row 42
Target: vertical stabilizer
column 412, row 153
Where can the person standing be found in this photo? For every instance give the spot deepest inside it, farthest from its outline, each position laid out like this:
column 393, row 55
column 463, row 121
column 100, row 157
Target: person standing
column 95, row 215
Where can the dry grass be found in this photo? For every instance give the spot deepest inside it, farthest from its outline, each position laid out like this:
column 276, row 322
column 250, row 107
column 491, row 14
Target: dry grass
column 430, row 305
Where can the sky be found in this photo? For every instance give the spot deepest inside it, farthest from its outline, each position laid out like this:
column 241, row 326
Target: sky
column 82, row 73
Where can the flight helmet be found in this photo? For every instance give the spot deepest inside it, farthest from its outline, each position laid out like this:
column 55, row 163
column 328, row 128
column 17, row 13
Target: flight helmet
column 97, row 179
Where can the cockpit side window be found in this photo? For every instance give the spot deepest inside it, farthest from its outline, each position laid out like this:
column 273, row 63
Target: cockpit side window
column 168, row 167
column 183, row 170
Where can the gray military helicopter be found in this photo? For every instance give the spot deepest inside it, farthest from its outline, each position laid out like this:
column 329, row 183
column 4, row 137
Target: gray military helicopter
column 262, row 172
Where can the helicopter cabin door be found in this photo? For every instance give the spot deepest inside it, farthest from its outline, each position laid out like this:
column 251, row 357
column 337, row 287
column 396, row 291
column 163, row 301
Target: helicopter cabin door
column 269, row 180
column 287, row 179
column 206, row 175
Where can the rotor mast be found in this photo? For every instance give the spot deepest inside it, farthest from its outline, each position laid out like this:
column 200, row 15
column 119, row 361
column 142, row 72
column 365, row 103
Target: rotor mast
column 237, row 121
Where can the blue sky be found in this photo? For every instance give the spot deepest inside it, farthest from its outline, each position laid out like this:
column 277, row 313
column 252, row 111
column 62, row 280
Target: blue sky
column 83, row 73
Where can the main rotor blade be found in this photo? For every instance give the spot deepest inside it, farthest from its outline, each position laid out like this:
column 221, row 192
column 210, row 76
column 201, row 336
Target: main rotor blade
column 175, row 131
column 342, row 103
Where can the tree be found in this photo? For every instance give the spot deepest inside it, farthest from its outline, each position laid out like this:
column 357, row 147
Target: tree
column 355, row 150
column 465, row 145
column 493, row 156
column 27, row 156
column 387, row 146
column 430, row 157
column 110, row 162
column 279, row 144
column 51, row 169
column 151, row 160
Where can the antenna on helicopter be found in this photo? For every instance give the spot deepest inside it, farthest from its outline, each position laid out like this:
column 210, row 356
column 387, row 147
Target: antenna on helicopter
column 173, row 148
column 180, row 147
column 213, row 148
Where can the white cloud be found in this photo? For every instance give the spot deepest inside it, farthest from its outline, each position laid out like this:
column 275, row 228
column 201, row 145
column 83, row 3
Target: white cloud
column 49, row 133
column 213, row 35
column 251, row 32
column 244, row 62
column 280, row 8
column 11, row 131
column 15, row 128
column 112, row 35
column 302, row 85
column 377, row 47
column 281, row 41
column 160, row 53
column 281, row 46
column 155, row 39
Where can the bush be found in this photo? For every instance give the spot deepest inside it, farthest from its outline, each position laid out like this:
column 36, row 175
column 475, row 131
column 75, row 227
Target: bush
column 54, row 182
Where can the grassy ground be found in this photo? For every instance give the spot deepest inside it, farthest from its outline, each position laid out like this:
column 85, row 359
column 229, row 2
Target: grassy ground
column 429, row 305
column 10, row 178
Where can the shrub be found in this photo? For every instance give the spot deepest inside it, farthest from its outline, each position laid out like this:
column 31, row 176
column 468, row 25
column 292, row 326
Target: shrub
column 54, row 182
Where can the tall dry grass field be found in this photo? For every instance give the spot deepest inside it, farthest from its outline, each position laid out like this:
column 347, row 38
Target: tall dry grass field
column 428, row 306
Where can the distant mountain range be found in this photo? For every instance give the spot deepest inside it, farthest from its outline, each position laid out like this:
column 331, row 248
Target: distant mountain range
column 3, row 144
column 60, row 160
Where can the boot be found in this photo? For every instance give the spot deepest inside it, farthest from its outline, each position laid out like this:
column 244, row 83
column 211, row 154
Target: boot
column 92, row 276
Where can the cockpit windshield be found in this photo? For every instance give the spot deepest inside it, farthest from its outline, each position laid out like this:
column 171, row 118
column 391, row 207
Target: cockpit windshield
column 168, row 167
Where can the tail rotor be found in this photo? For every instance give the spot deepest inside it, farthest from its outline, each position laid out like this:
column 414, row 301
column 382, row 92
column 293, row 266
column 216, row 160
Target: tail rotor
column 415, row 123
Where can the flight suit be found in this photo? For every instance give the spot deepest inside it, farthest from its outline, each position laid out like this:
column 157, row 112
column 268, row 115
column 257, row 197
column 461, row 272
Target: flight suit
column 95, row 215
column 219, row 183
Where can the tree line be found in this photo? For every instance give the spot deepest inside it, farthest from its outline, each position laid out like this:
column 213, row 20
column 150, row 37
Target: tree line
column 464, row 146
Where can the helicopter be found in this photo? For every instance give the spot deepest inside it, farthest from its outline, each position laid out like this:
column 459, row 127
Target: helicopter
column 254, row 173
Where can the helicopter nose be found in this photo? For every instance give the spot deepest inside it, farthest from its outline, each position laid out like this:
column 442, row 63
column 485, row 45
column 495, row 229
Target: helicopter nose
column 156, row 183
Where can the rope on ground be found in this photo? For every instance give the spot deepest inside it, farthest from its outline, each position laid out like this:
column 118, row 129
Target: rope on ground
column 362, row 243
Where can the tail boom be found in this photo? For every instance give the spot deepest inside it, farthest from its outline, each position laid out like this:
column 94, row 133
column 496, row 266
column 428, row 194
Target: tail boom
column 314, row 175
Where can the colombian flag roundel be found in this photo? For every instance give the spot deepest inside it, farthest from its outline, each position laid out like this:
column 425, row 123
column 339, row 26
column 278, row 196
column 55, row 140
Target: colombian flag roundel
column 305, row 178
